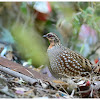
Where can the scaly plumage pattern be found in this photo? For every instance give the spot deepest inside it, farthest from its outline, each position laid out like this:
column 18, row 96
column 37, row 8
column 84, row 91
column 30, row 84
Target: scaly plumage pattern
column 64, row 61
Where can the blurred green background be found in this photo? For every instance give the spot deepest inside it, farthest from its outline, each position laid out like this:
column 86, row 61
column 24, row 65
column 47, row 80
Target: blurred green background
column 76, row 23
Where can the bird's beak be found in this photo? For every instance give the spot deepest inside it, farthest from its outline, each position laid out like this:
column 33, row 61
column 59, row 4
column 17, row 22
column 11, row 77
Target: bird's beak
column 44, row 36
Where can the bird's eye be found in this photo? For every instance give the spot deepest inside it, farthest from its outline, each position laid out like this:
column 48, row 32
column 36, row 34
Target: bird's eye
column 49, row 35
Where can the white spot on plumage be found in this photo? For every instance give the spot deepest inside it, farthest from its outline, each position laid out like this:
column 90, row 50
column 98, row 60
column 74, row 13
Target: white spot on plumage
column 65, row 59
column 67, row 63
column 68, row 66
column 68, row 60
column 75, row 66
column 61, row 61
column 66, row 54
column 68, row 57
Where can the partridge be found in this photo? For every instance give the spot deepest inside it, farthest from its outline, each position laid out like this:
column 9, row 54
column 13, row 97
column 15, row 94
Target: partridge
column 65, row 62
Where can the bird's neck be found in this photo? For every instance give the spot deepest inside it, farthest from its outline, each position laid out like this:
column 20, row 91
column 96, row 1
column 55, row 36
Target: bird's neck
column 52, row 44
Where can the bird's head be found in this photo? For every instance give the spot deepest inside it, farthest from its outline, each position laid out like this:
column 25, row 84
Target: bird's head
column 52, row 37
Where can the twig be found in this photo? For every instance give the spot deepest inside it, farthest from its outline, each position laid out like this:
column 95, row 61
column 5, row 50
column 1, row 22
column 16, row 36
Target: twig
column 16, row 74
column 93, row 52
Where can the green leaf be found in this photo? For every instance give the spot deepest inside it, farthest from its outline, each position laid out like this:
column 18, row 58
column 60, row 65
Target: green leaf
column 23, row 7
column 82, row 48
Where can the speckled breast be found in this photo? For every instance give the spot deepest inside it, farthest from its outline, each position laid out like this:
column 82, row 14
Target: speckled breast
column 54, row 58
column 64, row 62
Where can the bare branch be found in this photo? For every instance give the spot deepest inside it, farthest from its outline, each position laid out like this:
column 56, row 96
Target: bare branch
column 16, row 74
column 93, row 52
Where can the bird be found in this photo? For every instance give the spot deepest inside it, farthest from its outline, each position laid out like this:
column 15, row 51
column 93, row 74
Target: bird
column 65, row 62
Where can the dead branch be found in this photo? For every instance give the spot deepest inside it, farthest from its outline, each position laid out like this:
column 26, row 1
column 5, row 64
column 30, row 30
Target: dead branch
column 93, row 52
column 16, row 74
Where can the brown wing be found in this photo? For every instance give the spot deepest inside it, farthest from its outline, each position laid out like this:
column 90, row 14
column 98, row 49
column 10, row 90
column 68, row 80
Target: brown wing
column 80, row 60
column 72, row 63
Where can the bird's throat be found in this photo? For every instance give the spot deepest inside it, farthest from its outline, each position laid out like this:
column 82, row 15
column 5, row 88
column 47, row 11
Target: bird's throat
column 51, row 45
